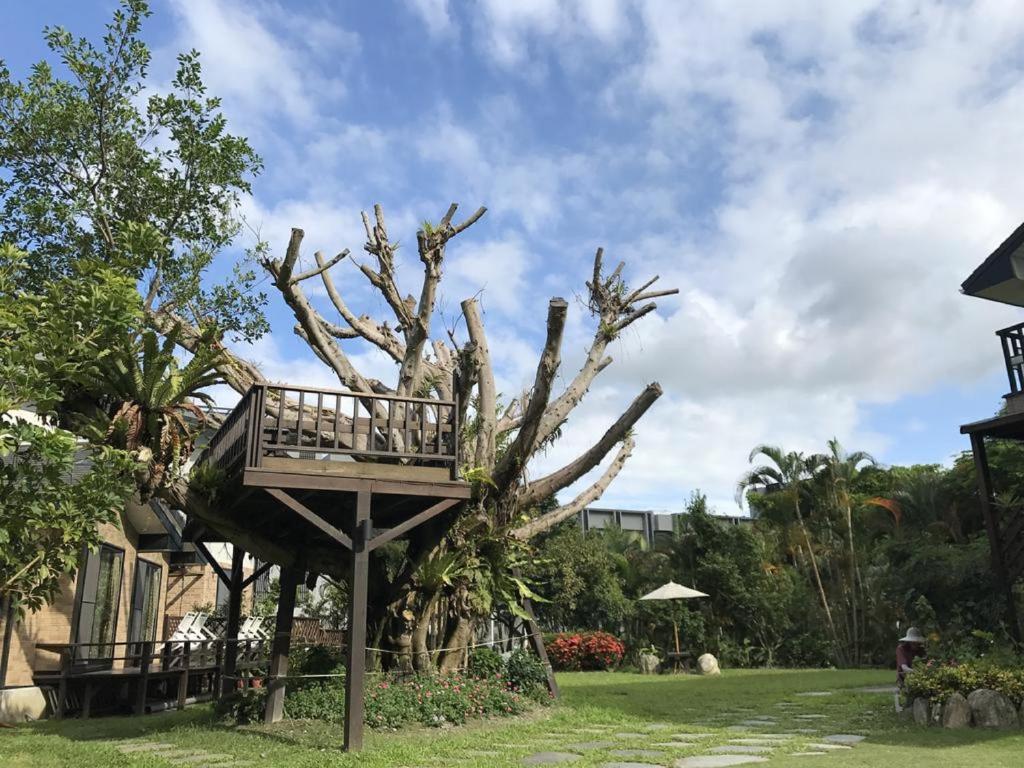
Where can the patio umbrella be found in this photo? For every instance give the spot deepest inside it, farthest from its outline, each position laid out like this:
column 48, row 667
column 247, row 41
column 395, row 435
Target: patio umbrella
column 673, row 591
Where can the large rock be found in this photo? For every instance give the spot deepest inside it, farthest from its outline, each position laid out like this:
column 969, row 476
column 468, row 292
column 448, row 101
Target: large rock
column 921, row 710
column 991, row 709
column 956, row 712
column 708, row 665
column 649, row 664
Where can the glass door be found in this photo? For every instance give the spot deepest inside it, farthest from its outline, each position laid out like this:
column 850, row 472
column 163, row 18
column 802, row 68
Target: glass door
column 99, row 593
column 145, row 604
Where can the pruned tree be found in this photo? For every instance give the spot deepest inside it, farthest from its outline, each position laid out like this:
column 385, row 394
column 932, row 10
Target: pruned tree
column 94, row 172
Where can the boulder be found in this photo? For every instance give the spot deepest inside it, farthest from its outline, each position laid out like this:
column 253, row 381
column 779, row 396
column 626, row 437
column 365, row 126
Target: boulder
column 649, row 664
column 956, row 712
column 921, row 711
column 991, row 709
column 708, row 665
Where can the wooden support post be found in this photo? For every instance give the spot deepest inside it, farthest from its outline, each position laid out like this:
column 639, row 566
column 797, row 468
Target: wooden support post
column 355, row 667
column 218, row 667
column 143, row 681
column 538, row 647
column 183, row 676
column 234, row 620
column 62, row 686
column 290, row 578
column 87, row 699
column 986, row 497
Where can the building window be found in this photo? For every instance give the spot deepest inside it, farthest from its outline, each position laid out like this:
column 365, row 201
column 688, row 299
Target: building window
column 99, row 593
column 145, row 602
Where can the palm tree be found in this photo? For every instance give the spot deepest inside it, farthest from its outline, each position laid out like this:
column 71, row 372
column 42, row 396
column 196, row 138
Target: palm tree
column 786, row 474
column 841, row 469
column 150, row 401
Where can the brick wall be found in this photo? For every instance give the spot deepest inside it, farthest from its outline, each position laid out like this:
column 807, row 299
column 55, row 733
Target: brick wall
column 52, row 624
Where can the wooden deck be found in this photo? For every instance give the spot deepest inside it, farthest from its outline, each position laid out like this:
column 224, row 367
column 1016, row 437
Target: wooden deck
column 178, row 671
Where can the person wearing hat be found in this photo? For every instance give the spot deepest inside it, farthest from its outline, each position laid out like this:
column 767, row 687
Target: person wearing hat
column 908, row 648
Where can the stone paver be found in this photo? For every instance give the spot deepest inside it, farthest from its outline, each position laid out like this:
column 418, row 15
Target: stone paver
column 145, row 746
column 677, row 744
column 208, row 758
column 815, row 693
column 807, row 754
column 829, row 746
column 582, row 746
column 740, row 749
column 810, row 716
column 757, row 742
column 843, row 738
column 631, row 735
column 718, row 761
column 637, row 753
column 550, row 758
column 695, row 735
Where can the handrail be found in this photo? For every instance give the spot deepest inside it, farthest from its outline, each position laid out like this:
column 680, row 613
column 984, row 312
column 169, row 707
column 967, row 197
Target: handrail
column 278, row 419
column 1012, row 340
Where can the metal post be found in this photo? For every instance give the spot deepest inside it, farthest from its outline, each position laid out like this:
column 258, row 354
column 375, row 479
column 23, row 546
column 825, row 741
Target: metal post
column 355, row 667
column 234, row 620
column 290, row 578
column 998, row 565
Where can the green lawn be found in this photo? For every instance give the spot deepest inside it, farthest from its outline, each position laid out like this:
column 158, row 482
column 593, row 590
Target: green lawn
column 622, row 703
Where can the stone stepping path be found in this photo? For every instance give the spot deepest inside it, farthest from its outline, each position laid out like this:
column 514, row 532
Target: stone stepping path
column 145, row 746
column 637, row 753
column 829, row 746
column 740, row 749
column 718, row 761
column 815, row 693
column 844, row 738
column 583, row 746
column 550, row 758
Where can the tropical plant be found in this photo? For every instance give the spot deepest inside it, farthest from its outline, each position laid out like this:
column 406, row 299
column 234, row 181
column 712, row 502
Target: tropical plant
column 152, row 401
column 787, row 473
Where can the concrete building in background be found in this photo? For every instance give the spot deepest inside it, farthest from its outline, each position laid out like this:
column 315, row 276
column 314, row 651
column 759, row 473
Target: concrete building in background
column 647, row 525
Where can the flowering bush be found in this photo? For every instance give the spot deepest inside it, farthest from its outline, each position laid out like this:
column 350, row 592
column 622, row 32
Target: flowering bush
column 437, row 701
column 485, row 662
column 940, row 680
column 564, row 650
column 588, row 650
column 600, row 650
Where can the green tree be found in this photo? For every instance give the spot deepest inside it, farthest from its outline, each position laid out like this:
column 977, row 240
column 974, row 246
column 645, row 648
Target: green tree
column 787, row 474
column 94, row 163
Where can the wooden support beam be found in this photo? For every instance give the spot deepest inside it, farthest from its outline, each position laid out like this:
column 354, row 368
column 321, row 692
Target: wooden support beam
column 255, row 574
column 290, row 578
column 224, row 578
column 310, row 516
column 537, row 642
column 355, row 666
column 234, row 620
column 142, row 684
column 986, row 497
column 412, row 522
column 186, row 662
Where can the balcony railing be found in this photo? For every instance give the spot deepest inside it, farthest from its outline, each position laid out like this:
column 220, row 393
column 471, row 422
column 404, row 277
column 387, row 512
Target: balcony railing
column 1012, row 339
column 311, row 423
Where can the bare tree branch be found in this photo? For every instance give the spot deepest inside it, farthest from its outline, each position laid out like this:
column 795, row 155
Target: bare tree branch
column 550, row 519
column 513, row 462
column 484, row 374
column 574, row 470
column 321, row 266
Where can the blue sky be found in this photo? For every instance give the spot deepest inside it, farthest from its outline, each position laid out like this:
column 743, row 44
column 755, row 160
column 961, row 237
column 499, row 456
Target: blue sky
column 816, row 179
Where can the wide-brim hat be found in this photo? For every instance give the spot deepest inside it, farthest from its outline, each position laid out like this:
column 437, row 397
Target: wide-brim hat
column 913, row 636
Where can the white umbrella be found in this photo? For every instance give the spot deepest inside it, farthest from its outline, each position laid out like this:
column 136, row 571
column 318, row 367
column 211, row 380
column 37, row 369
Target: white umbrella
column 673, row 591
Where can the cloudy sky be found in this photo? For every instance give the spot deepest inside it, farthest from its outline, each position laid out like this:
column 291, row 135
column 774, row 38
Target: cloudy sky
column 816, row 178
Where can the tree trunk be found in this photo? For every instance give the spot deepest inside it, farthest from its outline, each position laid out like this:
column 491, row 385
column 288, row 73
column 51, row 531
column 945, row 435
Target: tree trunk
column 421, row 659
column 456, row 644
column 10, row 612
column 855, row 585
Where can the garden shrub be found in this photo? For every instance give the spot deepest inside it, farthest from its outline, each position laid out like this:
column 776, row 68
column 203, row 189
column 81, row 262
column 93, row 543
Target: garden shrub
column 600, row 650
column 316, row 701
column 939, row 681
column 485, row 662
column 316, row 660
column 585, row 650
column 525, row 673
column 438, row 701
column 243, row 706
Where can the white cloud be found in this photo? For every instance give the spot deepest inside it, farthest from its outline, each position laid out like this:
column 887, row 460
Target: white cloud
column 435, row 15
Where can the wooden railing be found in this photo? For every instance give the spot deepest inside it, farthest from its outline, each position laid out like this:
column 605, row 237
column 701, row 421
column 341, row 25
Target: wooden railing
column 314, row 423
column 1012, row 339
column 92, row 664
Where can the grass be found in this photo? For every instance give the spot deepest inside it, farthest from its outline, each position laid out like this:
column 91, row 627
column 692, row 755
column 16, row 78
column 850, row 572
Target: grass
column 626, row 702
